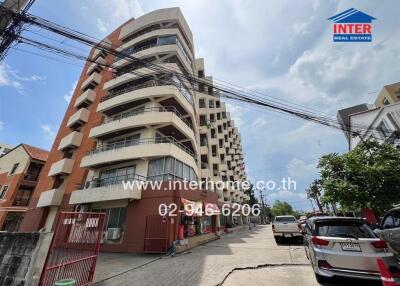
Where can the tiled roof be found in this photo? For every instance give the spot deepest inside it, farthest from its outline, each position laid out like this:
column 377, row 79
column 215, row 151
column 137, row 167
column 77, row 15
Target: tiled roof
column 36, row 153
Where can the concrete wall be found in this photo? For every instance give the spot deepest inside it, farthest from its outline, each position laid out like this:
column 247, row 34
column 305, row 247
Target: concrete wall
column 22, row 257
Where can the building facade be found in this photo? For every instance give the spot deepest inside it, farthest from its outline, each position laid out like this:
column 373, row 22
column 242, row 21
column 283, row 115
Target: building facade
column 137, row 122
column 376, row 122
column 20, row 168
column 5, row 148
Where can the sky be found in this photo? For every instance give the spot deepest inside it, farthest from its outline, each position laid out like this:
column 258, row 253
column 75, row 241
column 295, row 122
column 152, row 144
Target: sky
column 282, row 49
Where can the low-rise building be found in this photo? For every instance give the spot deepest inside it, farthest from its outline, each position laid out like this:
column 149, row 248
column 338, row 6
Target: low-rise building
column 379, row 122
column 5, row 148
column 19, row 172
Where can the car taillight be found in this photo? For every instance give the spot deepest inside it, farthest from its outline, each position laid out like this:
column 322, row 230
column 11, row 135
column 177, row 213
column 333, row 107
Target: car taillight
column 273, row 228
column 324, row 264
column 379, row 244
column 318, row 241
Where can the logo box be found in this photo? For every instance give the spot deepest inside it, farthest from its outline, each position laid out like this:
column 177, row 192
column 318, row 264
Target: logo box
column 352, row 26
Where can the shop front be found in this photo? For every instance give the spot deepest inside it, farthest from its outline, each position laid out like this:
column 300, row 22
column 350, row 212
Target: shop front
column 197, row 223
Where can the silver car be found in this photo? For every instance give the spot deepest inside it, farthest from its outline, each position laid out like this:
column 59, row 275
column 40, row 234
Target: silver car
column 339, row 246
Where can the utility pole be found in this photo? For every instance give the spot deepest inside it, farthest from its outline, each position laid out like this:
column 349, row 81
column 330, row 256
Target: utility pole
column 11, row 26
column 263, row 219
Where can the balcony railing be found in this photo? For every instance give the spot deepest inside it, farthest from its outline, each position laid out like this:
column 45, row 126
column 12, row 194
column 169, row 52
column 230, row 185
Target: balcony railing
column 145, row 141
column 149, row 109
column 160, row 42
column 172, row 81
column 31, row 177
column 97, row 183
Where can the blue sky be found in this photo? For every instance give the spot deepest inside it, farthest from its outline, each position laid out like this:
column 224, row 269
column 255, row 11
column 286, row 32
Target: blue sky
column 280, row 48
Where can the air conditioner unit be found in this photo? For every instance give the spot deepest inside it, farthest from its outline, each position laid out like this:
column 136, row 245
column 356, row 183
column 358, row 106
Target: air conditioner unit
column 113, row 233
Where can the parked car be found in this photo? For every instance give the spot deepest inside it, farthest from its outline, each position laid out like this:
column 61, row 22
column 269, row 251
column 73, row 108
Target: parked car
column 341, row 246
column 389, row 229
column 285, row 226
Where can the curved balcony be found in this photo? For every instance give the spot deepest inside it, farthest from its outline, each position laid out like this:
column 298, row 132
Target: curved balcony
column 135, row 73
column 152, row 50
column 166, row 116
column 139, row 149
column 126, row 97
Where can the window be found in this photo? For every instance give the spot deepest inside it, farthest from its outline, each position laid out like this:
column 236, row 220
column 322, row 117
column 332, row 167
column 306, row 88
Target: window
column 168, row 168
column 385, row 101
column 3, row 192
column 211, row 103
column 115, row 218
column 344, row 229
column 14, row 168
column 384, row 129
column 116, row 176
column 167, row 40
column 202, row 103
column 200, row 74
column 203, row 120
column 203, row 139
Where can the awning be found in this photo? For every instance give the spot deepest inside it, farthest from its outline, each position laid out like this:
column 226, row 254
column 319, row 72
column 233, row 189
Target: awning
column 192, row 208
column 15, row 209
column 211, row 209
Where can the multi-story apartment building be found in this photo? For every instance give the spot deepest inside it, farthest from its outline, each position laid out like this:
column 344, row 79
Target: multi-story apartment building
column 140, row 122
column 380, row 122
column 19, row 172
column 221, row 152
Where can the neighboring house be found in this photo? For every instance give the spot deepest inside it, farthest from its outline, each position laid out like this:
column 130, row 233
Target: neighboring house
column 5, row 148
column 389, row 94
column 382, row 124
column 19, row 173
column 378, row 122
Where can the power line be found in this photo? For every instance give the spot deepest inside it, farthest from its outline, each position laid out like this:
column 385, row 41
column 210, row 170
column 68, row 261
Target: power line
column 222, row 89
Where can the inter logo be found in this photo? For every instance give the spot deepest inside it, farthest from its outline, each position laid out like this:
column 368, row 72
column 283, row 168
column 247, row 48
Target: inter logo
column 352, row 26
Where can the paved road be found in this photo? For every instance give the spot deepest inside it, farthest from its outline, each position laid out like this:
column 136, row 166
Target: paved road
column 246, row 257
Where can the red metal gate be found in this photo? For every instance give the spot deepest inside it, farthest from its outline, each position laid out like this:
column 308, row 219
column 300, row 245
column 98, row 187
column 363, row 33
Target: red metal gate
column 74, row 249
column 156, row 235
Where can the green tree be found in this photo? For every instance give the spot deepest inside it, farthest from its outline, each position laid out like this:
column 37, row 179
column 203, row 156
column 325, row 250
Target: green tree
column 314, row 192
column 281, row 208
column 250, row 191
column 366, row 177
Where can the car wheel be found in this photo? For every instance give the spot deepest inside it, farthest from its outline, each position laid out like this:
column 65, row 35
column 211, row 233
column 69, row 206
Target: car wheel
column 320, row 278
column 277, row 239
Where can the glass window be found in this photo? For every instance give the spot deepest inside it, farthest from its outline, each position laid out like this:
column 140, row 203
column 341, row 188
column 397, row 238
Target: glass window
column 389, row 222
column 14, row 168
column 167, row 40
column 156, row 167
column 186, row 172
column 3, row 192
column 344, row 229
column 169, row 165
column 178, row 168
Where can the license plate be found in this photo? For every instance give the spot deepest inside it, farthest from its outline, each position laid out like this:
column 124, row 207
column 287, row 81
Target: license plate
column 287, row 235
column 350, row 246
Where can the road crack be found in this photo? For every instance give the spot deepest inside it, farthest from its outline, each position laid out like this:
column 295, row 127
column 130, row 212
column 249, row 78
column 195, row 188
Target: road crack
column 260, row 266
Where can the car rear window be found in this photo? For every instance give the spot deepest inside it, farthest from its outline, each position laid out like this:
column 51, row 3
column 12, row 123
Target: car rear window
column 345, row 229
column 285, row 219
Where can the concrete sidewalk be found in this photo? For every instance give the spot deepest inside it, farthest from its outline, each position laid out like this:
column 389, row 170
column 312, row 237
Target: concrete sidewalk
column 205, row 265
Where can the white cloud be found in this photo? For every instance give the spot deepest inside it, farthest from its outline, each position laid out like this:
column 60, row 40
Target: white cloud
column 103, row 27
column 259, row 122
column 10, row 78
column 48, row 132
column 297, row 169
column 69, row 95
